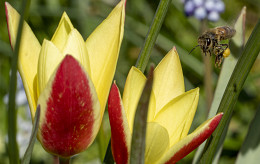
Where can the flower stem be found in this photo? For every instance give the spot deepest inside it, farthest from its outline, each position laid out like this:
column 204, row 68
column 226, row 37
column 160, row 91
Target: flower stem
column 12, row 113
column 152, row 34
column 137, row 154
column 208, row 71
column 64, row 160
column 234, row 87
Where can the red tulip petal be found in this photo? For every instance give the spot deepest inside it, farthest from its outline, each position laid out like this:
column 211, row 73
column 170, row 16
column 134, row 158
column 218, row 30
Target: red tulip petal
column 70, row 110
column 192, row 141
column 120, row 132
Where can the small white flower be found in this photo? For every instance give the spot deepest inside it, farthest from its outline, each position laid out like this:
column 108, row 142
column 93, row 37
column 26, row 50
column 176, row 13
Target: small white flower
column 209, row 5
column 219, row 6
column 200, row 13
column 213, row 16
column 189, row 7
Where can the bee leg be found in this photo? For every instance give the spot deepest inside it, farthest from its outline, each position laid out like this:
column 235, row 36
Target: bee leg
column 218, row 60
column 224, row 45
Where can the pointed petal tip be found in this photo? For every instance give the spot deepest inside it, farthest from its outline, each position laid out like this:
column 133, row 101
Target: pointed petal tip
column 215, row 121
column 114, row 87
column 64, row 14
column 7, row 5
column 120, row 133
column 174, row 51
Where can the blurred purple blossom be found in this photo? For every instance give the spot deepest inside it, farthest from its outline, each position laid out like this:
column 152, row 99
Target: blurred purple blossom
column 204, row 9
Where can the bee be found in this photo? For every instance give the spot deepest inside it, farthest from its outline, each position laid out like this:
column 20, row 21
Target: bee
column 210, row 42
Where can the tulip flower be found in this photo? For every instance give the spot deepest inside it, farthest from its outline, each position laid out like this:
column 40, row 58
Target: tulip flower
column 69, row 78
column 170, row 114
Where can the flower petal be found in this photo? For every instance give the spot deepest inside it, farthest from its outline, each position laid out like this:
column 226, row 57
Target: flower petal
column 133, row 89
column 157, row 142
column 178, row 114
column 192, row 141
column 75, row 46
column 70, row 110
column 168, row 79
column 61, row 34
column 29, row 53
column 152, row 108
column 120, row 133
column 103, row 48
column 49, row 59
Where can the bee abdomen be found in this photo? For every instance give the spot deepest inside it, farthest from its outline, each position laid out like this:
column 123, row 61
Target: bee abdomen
column 228, row 32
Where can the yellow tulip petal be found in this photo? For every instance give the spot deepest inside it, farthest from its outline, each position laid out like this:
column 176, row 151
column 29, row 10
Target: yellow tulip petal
column 168, row 79
column 63, row 30
column 178, row 114
column 191, row 142
column 152, row 108
column 133, row 89
column 50, row 58
column 103, row 48
column 157, row 142
column 76, row 47
column 28, row 55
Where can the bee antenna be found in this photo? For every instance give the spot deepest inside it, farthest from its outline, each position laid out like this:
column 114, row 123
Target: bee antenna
column 193, row 49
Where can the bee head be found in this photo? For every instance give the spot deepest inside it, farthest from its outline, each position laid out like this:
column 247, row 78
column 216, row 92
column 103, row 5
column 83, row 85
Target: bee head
column 205, row 43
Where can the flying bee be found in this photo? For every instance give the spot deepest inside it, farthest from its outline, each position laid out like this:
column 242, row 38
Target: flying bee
column 210, row 42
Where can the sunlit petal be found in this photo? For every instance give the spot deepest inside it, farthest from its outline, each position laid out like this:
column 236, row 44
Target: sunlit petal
column 50, row 58
column 157, row 142
column 178, row 114
column 61, row 34
column 152, row 108
column 29, row 53
column 133, row 89
column 103, row 48
column 75, row 46
column 168, row 79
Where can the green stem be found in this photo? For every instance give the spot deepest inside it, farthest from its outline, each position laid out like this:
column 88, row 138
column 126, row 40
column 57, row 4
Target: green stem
column 64, row 160
column 232, row 91
column 12, row 113
column 152, row 35
column 55, row 159
column 137, row 154
column 208, row 71
column 109, row 157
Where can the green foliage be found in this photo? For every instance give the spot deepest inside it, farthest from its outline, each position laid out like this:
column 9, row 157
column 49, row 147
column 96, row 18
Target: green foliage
column 177, row 30
column 232, row 91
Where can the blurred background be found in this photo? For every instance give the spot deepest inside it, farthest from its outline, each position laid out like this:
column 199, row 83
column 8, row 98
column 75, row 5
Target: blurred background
column 181, row 28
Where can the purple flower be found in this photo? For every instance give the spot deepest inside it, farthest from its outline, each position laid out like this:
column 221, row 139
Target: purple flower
column 204, row 9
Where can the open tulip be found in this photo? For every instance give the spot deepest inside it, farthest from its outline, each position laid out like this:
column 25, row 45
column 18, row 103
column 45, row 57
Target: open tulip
column 69, row 78
column 170, row 115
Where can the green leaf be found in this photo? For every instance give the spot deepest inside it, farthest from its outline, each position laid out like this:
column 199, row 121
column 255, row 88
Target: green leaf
column 137, row 154
column 152, row 34
column 234, row 87
column 109, row 156
column 12, row 113
column 237, row 43
column 28, row 153
column 250, row 150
